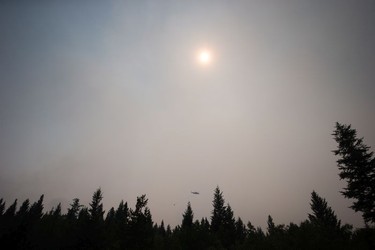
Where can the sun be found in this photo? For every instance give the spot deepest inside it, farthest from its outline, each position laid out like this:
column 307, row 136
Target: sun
column 204, row 57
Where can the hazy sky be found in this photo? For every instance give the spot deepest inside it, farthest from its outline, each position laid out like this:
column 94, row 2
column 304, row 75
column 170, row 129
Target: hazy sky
column 110, row 95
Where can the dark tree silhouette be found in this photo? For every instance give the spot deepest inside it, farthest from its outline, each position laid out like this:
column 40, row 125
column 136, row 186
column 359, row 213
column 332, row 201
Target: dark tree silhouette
column 122, row 224
column 24, row 209
column 271, row 227
column 323, row 226
column 74, row 209
column 96, row 207
column 110, row 216
column 57, row 211
column 229, row 228
column 218, row 213
column 240, row 230
column 124, row 228
column 357, row 166
column 122, row 212
column 11, row 211
column 187, row 232
column 94, row 229
column 36, row 209
column 140, row 225
column 322, row 215
column 222, row 221
column 187, row 220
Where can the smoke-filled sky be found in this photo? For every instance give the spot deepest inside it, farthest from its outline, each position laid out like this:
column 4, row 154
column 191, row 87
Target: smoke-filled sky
column 109, row 94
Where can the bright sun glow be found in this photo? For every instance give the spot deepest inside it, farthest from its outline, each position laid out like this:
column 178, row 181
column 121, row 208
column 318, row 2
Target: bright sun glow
column 204, row 57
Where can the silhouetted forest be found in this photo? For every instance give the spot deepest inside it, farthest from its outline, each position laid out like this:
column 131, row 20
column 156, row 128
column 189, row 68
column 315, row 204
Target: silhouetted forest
column 26, row 226
column 133, row 228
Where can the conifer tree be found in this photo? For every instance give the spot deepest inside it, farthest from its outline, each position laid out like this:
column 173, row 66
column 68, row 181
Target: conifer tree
column 271, row 227
column 24, row 209
column 84, row 215
column 57, row 211
column 229, row 227
column 96, row 206
column 218, row 213
column 122, row 220
column 187, row 220
column 122, row 213
column 110, row 216
column 36, row 209
column 229, row 221
column 11, row 211
column 240, row 230
column 162, row 229
column 357, row 166
column 73, row 211
column 141, row 225
column 322, row 215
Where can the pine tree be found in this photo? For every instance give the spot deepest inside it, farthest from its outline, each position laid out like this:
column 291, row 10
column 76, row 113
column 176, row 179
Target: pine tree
column 122, row 221
column 218, row 213
column 110, row 216
column 229, row 227
column 84, row 215
column 36, row 209
column 357, row 166
column 162, row 229
column 240, row 230
column 57, row 211
column 271, row 227
column 95, row 227
column 229, row 221
column 140, row 225
column 322, row 215
column 122, row 213
column 74, row 209
column 11, row 211
column 24, row 209
column 96, row 207
column 187, row 220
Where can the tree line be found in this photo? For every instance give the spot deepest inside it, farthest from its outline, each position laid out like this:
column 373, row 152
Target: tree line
column 81, row 227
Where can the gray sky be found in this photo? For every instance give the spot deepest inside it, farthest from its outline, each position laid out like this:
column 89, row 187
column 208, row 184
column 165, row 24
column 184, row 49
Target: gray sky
column 110, row 95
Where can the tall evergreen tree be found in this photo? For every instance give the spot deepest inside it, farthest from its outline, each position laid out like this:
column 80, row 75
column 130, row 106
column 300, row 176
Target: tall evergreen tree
column 161, row 229
column 122, row 212
column 357, row 166
column 229, row 227
column 322, row 215
column 140, row 225
column 96, row 206
column 24, row 208
column 271, row 227
column 187, row 220
column 187, row 231
column 73, row 211
column 110, row 216
column 95, row 226
column 36, row 209
column 218, row 213
column 240, row 230
column 229, row 221
column 57, row 212
column 83, row 215
column 122, row 222
column 323, row 227
column 11, row 211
